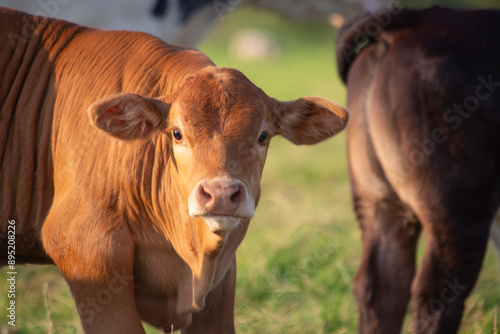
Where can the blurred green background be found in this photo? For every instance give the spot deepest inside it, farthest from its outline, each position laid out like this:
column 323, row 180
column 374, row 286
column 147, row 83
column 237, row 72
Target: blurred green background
column 297, row 262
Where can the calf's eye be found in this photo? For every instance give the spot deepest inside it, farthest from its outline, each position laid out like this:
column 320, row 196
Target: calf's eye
column 177, row 134
column 262, row 138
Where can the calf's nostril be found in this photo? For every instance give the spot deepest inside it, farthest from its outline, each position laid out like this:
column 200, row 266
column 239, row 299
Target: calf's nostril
column 235, row 197
column 204, row 194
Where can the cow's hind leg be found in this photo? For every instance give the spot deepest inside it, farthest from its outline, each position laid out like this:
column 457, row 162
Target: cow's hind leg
column 455, row 246
column 390, row 233
column 495, row 235
column 382, row 284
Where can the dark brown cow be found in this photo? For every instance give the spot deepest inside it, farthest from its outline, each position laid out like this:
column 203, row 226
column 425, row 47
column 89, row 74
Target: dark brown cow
column 135, row 167
column 424, row 154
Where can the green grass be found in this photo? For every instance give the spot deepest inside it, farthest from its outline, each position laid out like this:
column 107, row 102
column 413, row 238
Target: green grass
column 296, row 265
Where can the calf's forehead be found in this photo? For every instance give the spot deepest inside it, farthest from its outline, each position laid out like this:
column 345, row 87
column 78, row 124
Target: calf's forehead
column 222, row 100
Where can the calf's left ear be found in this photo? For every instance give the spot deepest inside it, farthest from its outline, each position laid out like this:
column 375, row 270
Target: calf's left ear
column 128, row 116
column 309, row 120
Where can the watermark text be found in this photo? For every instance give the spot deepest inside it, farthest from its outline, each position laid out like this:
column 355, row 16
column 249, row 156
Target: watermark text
column 11, row 274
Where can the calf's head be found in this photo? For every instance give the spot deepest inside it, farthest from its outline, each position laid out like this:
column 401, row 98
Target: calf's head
column 218, row 126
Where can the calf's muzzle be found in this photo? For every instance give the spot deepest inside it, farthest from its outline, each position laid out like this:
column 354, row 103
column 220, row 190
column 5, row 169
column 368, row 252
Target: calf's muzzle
column 222, row 202
column 220, row 199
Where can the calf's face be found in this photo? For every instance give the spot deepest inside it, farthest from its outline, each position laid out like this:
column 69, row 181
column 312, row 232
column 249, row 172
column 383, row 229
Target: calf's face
column 219, row 126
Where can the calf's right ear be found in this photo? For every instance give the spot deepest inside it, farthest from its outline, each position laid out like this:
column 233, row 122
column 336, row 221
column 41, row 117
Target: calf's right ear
column 128, row 116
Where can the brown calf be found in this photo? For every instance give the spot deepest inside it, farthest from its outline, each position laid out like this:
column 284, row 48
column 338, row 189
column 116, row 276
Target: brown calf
column 424, row 154
column 135, row 167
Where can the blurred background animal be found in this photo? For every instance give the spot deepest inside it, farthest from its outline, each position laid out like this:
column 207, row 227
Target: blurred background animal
column 423, row 149
column 184, row 22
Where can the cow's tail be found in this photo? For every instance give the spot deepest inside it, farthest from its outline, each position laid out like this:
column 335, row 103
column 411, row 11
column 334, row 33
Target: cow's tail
column 360, row 32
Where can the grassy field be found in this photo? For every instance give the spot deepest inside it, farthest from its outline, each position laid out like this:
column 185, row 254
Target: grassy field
column 296, row 265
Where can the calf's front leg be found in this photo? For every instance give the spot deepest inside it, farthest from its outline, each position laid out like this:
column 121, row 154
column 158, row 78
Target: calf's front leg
column 96, row 260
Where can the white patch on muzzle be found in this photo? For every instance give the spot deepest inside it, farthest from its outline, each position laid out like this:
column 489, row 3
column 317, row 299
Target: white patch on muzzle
column 221, row 223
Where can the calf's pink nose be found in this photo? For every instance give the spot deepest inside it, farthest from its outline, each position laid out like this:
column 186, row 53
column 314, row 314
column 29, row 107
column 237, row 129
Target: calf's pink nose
column 220, row 199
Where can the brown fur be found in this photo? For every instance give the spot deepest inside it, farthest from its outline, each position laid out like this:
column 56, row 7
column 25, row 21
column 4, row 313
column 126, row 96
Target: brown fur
column 416, row 166
column 98, row 185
